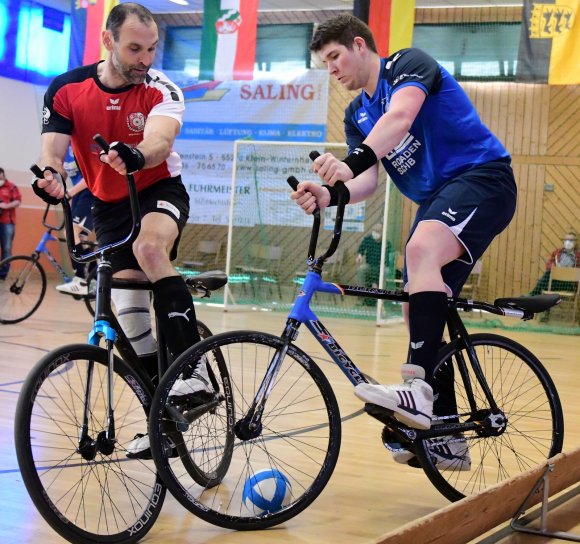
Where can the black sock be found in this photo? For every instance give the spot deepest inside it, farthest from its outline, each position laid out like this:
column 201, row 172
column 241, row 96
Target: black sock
column 427, row 317
column 174, row 310
column 149, row 362
column 445, row 403
column 79, row 268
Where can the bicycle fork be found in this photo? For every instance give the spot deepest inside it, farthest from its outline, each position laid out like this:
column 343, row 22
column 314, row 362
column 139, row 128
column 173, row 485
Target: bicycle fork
column 250, row 426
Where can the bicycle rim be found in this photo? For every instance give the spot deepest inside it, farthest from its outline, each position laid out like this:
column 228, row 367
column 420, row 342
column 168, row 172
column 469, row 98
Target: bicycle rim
column 299, row 438
column 526, row 395
column 22, row 291
column 106, row 498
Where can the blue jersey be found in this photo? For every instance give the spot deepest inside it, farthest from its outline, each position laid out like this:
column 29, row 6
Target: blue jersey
column 71, row 167
column 447, row 137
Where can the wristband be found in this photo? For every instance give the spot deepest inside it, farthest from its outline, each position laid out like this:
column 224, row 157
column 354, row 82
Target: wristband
column 42, row 193
column 133, row 158
column 336, row 191
column 361, row 159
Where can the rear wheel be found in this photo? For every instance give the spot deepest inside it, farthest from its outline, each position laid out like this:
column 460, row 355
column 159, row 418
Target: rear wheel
column 23, row 288
column 529, row 430
column 83, row 485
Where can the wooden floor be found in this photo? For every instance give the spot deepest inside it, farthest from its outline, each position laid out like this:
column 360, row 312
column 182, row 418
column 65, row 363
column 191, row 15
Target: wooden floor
column 368, row 494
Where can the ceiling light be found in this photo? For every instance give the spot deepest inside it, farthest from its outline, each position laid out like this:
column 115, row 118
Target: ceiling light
column 180, row 2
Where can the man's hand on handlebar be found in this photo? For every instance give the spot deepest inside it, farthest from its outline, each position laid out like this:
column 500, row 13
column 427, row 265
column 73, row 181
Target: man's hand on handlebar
column 123, row 158
column 309, row 195
column 330, row 169
column 50, row 187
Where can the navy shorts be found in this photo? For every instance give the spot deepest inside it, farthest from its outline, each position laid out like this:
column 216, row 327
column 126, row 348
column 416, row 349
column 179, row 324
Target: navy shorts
column 476, row 206
column 113, row 220
column 81, row 210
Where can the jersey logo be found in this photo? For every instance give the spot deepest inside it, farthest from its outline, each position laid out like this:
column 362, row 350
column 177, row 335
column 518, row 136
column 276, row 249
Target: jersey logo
column 113, row 105
column 45, row 115
column 136, row 122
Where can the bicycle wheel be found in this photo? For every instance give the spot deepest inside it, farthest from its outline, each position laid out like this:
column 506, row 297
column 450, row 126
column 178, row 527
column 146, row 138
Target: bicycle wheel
column 91, row 298
column 85, row 492
column 523, row 391
column 298, row 436
column 22, row 291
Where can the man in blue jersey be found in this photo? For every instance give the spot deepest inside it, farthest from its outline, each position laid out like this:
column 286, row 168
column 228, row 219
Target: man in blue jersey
column 414, row 118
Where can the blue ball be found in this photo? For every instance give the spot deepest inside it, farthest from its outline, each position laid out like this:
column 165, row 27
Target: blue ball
column 266, row 491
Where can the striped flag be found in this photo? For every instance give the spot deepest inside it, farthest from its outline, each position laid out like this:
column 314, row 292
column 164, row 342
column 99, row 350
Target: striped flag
column 391, row 22
column 88, row 18
column 228, row 41
column 550, row 43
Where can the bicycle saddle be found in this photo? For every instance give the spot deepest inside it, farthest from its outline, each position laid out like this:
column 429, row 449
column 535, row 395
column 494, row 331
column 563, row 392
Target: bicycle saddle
column 207, row 281
column 535, row 304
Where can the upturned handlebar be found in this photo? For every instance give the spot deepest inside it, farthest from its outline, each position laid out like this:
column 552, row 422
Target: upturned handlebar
column 68, row 220
column 315, row 263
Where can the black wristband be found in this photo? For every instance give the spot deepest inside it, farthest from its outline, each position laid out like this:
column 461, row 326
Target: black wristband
column 133, row 158
column 335, row 193
column 361, row 159
column 42, row 193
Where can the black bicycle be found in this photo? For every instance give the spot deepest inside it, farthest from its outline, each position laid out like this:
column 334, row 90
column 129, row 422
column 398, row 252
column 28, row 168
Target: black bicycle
column 497, row 407
column 80, row 407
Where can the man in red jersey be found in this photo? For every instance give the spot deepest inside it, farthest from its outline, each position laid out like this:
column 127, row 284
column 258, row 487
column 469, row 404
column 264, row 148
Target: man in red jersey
column 10, row 199
column 140, row 111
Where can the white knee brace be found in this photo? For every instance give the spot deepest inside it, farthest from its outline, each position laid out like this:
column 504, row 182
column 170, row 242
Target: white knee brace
column 134, row 316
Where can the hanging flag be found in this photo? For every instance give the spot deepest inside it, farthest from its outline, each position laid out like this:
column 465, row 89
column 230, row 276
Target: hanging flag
column 88, row 18
column 391, row 22
column 550, row 43
column 228, row 39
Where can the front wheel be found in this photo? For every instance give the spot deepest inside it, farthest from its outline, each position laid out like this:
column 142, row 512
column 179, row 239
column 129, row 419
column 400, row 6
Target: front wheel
column 82, row 484
column 22, row 288
column 530, row 430
column 271, row 467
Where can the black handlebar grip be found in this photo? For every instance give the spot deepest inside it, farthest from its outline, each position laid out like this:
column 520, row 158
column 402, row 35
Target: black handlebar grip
column 35, row 169
column 293, row 182
column 314, row 155
column 101, row 141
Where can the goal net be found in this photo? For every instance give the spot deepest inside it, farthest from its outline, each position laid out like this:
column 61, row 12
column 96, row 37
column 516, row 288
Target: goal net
column 268, row 235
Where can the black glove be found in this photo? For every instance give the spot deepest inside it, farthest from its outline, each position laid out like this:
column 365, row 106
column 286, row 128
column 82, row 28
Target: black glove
column 132, row 157
column 42, row 193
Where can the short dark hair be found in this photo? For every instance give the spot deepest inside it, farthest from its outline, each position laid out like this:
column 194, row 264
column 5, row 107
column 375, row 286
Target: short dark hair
column 342, row 29
column 1, row 170
column 120, row 12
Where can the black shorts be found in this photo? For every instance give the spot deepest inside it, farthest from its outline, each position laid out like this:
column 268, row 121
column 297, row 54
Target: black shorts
column 476, row 206
column 113, row 220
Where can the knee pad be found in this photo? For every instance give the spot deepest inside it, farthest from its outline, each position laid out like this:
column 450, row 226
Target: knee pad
column 134, row 315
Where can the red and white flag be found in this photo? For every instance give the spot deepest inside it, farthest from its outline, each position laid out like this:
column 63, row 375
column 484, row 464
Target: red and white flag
column 228, row 43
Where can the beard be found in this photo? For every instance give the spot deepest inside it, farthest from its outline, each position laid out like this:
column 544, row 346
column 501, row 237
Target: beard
column 129, row 73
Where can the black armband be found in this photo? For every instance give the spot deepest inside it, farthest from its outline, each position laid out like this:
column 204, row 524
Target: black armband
column 361, row 159
column 42, row 193
column 133, row 158
column 336, row 191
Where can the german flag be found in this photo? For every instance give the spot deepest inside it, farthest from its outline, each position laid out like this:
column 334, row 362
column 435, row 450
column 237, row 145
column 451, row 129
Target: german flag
column 550, row 43
column 88, row 18
column 391, row 22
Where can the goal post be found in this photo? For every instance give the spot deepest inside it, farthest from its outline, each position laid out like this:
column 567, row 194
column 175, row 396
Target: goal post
column 268, row 234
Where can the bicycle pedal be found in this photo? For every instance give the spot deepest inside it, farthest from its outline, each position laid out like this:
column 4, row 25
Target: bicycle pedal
column 384, row 415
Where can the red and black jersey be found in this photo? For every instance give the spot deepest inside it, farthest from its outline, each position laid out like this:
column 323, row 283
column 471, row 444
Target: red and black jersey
column 78, row 104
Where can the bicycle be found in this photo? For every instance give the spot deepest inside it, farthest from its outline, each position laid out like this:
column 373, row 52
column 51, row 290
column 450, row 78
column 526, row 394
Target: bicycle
column 496, row 399
column 82, row 404
column 24, row 288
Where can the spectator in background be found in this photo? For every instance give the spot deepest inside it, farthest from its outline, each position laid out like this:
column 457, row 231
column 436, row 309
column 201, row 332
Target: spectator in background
column 81, row 204
column 566, row 256
column 368, row 258
column 10, row 199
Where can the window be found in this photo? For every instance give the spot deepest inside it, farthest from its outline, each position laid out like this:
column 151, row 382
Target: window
column 472, row 51
column 279, row 48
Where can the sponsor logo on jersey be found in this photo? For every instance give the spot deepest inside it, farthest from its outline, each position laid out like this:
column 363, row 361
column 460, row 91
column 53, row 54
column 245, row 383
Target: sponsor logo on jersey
column 45, row 115
column 363, row 117
column 136, row 122
column 402, row 156
column 405, row 76
column 113, row 105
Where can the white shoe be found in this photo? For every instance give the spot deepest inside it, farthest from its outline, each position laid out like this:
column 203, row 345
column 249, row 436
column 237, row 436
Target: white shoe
column 411, row 402
column 140, row 448
column 77, row 286
column 450, row 453
column 199, row 382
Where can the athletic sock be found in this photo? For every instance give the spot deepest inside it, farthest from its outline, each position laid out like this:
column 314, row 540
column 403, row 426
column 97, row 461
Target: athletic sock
column 79, row 268
column 427, row 317
column 176, row 314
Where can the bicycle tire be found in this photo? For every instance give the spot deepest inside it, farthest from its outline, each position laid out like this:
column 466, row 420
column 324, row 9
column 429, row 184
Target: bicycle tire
column 300, row 437
column 23, row 290
column 524, row 391
column 108, row 498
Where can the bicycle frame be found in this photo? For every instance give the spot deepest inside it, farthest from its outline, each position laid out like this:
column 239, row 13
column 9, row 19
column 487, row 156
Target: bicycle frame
column 41, row 249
